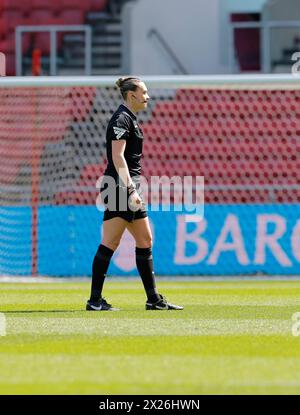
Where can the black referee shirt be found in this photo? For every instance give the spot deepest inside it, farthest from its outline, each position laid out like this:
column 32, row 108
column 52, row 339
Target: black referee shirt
column 123, row 126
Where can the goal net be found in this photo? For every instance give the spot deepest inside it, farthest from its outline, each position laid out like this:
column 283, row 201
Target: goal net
column 242, row 133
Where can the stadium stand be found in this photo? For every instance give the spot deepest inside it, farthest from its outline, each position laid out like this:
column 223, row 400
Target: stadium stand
column 27, row 127
column 233, row 138
column 14, row 13
column 242, row 142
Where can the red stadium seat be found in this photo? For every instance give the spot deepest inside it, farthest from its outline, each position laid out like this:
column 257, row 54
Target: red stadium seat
column 169, row 110
column 227, row 150
column 43, row 5
column 247, row 42
column 239, row 97
column 10, row 19
column 82, row 101
column 10, row 62
column 74, row 4
column 229, row 173
column 7, row 45
column 17, row 123
column 234, row 138
column 75, row 198
column 91, row 174
column 18, row 5
column 223, row 129
column 42, row 16
column 42, row 40
column 98, row 5
column 72, row 17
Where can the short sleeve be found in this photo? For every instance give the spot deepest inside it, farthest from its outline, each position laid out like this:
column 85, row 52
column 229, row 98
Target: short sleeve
column 120, row 128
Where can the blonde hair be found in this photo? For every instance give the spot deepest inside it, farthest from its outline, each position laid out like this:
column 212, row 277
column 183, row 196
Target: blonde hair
column 127, row 83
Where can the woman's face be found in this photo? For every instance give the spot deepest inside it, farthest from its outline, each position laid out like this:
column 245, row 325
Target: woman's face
column 139, row 98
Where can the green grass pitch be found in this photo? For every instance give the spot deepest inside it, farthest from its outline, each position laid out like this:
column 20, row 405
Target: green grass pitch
column 233, row 337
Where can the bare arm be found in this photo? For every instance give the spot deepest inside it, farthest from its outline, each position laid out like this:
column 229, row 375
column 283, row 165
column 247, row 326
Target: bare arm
column 118, row 148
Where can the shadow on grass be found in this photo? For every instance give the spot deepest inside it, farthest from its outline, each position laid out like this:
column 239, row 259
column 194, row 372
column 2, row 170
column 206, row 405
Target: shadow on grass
column 61, row 311
column 79, row 310
column 39, row 311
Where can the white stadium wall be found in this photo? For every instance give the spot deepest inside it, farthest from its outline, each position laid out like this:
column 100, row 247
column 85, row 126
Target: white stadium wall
column 190, row 28
column 197, row 31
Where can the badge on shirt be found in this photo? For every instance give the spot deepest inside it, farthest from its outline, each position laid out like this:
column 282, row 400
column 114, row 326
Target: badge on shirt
column 119, row 132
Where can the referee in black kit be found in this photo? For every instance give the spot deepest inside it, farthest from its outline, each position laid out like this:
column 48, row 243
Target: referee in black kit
column 124, row 143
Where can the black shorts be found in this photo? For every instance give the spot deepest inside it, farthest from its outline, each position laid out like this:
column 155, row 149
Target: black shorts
column 121, row 209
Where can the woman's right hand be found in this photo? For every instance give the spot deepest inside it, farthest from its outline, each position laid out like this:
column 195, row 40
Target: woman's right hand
column 134, row 201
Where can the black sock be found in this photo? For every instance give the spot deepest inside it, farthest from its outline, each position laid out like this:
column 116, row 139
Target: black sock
column 144, row 263
column 100, row 267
